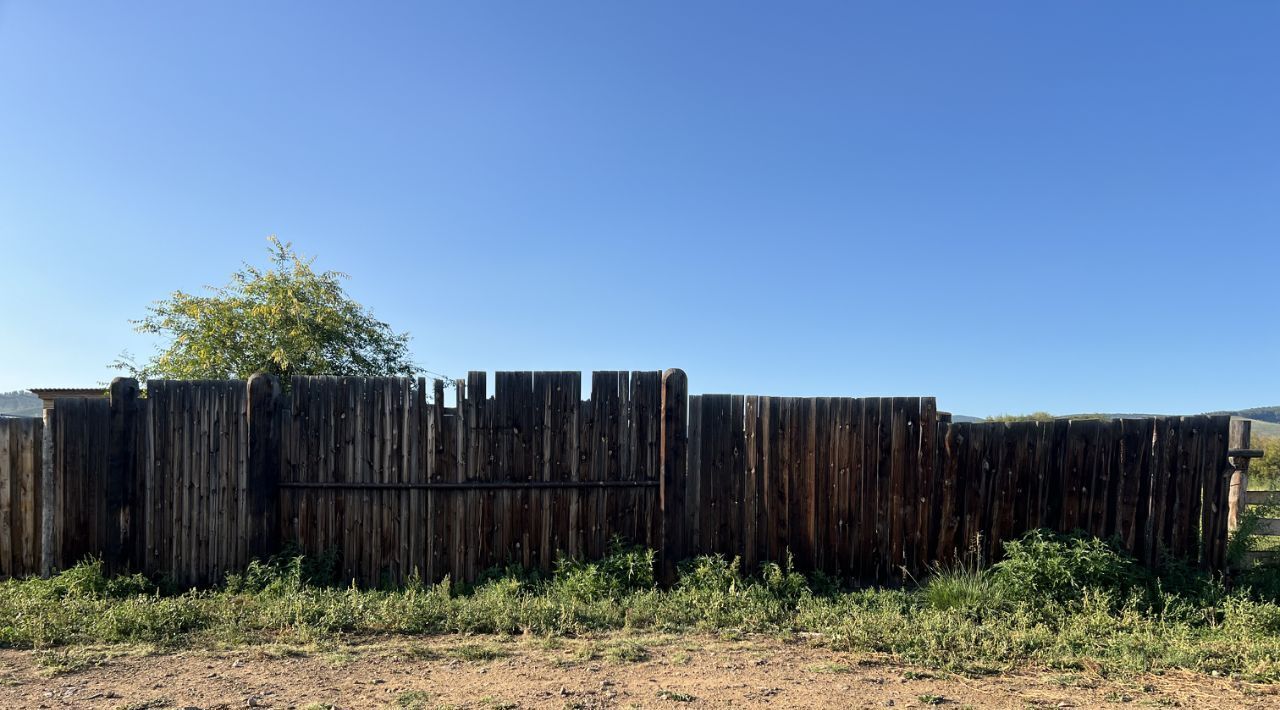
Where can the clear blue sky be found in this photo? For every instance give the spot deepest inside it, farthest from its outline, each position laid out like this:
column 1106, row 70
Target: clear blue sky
column 1011, row 206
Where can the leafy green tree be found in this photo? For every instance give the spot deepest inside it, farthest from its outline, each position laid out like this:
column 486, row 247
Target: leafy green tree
column 1032, row 417
column 1266, row 470
column 287, row 319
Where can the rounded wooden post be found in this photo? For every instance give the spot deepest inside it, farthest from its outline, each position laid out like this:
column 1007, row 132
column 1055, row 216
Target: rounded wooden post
column 1238, row 439
column 675, row 455
column 262, row 484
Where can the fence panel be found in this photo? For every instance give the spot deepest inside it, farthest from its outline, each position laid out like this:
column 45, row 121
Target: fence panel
column 194, row 490
column 395, row 484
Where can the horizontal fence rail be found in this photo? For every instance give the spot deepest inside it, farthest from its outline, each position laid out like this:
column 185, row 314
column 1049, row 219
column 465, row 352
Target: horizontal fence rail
column 198, row 477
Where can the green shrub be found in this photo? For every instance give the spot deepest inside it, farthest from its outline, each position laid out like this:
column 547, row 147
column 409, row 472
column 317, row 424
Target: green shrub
column 1051, row 568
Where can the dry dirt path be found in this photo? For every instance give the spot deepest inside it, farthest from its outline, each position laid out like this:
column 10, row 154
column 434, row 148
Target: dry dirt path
column 607, row 672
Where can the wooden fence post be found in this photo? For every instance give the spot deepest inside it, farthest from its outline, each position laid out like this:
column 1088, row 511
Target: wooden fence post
column 1238, row 439
column 675, row 457
column 122, row 511
column 262, row 486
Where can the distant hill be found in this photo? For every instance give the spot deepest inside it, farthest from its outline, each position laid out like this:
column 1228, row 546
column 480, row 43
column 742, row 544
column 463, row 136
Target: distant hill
column 1266, row 420
column 19, row 403
column 1260, row 414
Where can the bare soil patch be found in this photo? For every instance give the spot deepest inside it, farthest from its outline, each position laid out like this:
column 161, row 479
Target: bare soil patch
column 604, row 672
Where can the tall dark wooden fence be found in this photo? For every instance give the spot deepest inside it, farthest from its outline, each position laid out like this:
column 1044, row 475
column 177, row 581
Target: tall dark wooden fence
column 199, row 477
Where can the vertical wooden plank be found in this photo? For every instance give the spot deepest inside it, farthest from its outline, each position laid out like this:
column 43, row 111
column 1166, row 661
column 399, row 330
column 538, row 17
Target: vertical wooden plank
column 820, row 509
column 896, row 501
column 387, row 566
column 1042, row 461
column 220, row 481
column 793, row 441
column 1075, row 488
column 38, row 443
column 926, row 495
column 773, row 479
column 523, row 521
column 674, row 466
column 696, row 499
column 1018, row 459
column 417, row 458
column 837, row 492
column 502, row 453
column 974, row 477
column 809, row 416
column 590, row 465
column 154, row 489
column 751, row 504
column 1003, row 454
column 543, row 457
column 1163, row 484
column 49, row 512
column 1134, row 470
column 1191, row 454
column 187, row 420
column 201, row 478
column 611, row 418
column 7, row 473
column 715, row 483
column 238, row 423
column 647, row 425
column 869, row 489
column 735, row 473
column 852, row 492
column 951, row 491
column 1216, row 471
column 440, row 441
column 262, row 492
column 570, row 463
column 1056, row 478
column 1111, row 478
column 366, row 451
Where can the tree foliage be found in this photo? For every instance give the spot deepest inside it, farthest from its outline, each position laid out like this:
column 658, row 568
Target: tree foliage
column 287, row 319
column 1266, row 470
column 1032, row 417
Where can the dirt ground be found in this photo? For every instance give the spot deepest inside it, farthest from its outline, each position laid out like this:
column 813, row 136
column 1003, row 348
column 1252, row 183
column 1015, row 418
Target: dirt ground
column 606, row 672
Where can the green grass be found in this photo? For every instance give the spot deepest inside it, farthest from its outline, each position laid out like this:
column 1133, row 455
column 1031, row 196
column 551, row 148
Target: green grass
column 414, row 699
column 1057, row 602
column 478, row 652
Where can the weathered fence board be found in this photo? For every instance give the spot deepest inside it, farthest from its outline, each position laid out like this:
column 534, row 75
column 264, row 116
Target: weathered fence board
column 21, row 496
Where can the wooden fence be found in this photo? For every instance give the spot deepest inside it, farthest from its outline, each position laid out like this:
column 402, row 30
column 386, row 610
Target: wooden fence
column 199, row 477
column 20, row 496
column 871, row 487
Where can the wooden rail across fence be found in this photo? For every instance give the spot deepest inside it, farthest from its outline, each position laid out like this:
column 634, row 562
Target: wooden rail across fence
column 199, row 477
